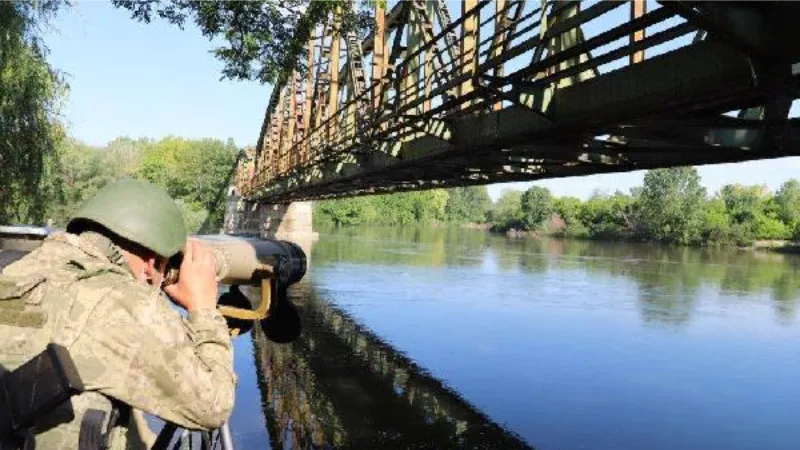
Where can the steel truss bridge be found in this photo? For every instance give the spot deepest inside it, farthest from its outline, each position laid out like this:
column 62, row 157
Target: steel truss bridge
column 524, row 90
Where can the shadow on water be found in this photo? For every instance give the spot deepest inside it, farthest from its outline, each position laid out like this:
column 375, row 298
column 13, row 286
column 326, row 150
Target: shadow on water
column 341, row 387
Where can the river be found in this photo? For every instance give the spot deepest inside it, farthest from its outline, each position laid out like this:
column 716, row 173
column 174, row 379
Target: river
column 456, row 338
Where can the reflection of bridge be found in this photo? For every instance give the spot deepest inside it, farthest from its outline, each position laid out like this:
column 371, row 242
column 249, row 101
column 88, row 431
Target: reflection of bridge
column 340, row 385
column 515, row 90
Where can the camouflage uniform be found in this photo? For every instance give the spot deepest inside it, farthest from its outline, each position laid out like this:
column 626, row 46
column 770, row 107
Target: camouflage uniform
column 127, row 342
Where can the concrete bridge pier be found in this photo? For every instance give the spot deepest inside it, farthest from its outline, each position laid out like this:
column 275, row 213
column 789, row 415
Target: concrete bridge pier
column 291, row 222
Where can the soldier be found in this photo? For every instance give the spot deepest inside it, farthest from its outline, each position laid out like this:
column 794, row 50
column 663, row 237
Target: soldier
column 97, row 290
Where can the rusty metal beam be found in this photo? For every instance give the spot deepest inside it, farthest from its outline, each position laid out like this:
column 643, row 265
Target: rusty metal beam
column 638, row 9
column 391, row 20
column 379, row 55
column 469, row 39
column 333, row 73
column 433, row 126
column 290, row 135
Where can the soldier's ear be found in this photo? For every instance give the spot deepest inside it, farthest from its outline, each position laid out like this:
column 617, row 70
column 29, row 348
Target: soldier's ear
column 151, row 271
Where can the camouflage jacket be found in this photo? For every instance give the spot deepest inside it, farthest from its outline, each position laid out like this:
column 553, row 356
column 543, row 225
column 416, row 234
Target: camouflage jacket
column 127, row 342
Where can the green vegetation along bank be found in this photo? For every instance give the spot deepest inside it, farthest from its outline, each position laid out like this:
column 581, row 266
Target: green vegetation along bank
column 194, row 172
column 671, row 207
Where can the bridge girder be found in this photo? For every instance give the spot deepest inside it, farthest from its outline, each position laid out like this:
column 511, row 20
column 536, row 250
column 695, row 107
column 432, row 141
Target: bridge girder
column 515, row 91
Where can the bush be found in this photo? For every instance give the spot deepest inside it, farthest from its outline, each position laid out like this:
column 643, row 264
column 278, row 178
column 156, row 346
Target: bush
column 769, row 228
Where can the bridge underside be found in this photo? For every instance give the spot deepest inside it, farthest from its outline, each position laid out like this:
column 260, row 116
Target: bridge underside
column 538, row 122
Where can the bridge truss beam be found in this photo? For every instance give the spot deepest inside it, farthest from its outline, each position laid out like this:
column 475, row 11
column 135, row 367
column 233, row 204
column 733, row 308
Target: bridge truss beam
column 516, row 90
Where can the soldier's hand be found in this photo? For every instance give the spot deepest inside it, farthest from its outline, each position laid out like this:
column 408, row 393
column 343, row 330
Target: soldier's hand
column 197, row 283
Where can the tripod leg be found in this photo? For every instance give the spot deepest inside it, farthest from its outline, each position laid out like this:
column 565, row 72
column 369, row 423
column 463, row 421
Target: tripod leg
column 226, row 436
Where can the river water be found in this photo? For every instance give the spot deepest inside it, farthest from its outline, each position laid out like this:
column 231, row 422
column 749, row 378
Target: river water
column 456, row 338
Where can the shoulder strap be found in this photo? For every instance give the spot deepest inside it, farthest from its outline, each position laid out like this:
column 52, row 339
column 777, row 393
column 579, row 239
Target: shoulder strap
column 95, row 431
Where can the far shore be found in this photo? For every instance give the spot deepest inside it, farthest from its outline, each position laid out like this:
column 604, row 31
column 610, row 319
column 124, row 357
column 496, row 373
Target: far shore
column 772, row 245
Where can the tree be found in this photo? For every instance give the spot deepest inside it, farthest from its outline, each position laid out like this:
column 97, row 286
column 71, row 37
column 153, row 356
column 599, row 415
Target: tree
column 788, row 201
column 669, row 206
column 753, row 210
column 716, row 223
column 402, row 208
column 537, row 207
column 506, row 213
column 608, row 216
column 468, row 204
column 743, row 203
column 30, row 100
column 568, row 208
column 429, row 206
column 344, row 211
column 196, row 171
column 84, row 170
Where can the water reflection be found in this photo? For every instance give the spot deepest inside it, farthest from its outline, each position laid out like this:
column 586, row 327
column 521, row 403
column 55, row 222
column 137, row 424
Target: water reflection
column 570, row 344
column 671, row 281
column 339, row 386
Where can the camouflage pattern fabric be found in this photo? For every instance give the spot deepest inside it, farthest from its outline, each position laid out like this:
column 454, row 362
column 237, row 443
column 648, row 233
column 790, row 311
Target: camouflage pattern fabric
column 127, row 342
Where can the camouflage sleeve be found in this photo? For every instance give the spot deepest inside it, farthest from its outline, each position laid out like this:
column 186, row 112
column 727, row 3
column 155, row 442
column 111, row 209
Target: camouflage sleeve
column 146, row 355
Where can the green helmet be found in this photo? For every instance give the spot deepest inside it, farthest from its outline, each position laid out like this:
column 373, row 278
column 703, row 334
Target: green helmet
column 139, row 212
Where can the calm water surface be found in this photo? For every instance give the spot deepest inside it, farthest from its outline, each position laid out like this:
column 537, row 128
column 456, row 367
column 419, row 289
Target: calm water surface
column 452, row 338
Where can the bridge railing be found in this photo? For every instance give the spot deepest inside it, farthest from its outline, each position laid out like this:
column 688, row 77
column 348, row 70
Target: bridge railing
column 496, row 55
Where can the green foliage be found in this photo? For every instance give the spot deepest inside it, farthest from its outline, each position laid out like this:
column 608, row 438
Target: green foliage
column 755, row 214
column 787, row 200
column 569, row 209
column 406, row 208
column 467, row 204
column 345, row 211
column 30, row 100
column 403, row 208
column 263, row 39
column 194, row 215
column 192, row 169
column 537, row 207
column 194, row 172
column 716, row 224
column 607, row 216
column 670, row 206
column 506, row 214
column 430, row 206
column 84, row 170
column 743, row 203
column 766, row 227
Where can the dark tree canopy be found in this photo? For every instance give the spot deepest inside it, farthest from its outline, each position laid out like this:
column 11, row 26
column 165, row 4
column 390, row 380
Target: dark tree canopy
column 30, row 95
column 261, row 39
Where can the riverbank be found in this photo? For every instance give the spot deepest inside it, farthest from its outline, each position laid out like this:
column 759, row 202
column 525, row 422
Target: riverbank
column 778, row 246
column 771, row 245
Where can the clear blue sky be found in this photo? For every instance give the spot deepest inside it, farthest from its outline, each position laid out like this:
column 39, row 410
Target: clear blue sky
column 130, row 79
